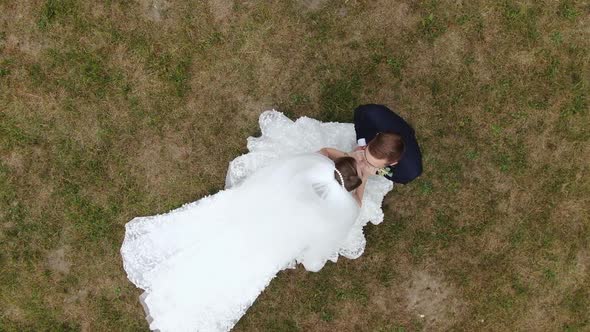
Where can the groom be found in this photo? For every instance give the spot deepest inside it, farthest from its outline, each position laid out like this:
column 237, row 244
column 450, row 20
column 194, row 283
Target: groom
column 387, row 144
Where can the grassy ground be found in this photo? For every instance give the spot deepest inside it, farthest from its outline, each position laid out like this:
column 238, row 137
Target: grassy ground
column 116, row 109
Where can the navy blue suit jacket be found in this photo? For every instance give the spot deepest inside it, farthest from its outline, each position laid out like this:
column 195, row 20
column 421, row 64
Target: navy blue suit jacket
column 371, row 119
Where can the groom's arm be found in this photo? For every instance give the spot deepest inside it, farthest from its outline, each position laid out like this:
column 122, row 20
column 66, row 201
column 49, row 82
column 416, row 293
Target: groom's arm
column 366, row 120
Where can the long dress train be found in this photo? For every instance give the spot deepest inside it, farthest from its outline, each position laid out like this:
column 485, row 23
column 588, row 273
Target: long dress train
column 202, row 265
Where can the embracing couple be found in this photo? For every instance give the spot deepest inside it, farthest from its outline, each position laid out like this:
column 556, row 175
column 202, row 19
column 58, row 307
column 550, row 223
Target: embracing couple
column 302, row 194
column 392, row 151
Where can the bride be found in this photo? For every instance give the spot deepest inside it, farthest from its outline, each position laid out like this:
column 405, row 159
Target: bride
column 202, row 265
column 281, row 137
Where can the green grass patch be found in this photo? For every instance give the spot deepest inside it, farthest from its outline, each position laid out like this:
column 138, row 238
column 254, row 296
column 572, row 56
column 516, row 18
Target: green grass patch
column 81, row 72
column 339, row 97
column 521, row 19
column 54, row 11
column 567, row 10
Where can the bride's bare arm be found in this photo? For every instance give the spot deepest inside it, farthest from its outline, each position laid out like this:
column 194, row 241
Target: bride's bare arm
column 332, row 153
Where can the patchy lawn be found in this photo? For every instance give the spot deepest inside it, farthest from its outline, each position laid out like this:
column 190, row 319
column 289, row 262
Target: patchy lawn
column 116, row 109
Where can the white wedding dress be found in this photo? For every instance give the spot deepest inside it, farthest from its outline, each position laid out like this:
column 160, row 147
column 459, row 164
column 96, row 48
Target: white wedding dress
column 202, row 265
column 283, row 137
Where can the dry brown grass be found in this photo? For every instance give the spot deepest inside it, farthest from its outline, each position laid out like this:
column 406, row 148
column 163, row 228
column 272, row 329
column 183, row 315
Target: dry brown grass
column 117, row 109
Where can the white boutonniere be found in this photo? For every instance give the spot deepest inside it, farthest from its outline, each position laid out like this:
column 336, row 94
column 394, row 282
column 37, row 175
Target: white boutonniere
column 385, row 171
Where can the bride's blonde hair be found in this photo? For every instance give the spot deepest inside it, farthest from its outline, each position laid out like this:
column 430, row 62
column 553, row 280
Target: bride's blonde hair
column 347, row 167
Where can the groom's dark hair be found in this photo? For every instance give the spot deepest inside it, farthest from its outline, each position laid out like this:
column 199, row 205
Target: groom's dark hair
column 387, row 145
column 347, row 167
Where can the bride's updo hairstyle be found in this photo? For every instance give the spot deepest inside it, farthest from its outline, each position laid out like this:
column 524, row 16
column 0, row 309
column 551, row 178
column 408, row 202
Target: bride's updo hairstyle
column 347, row 167
column 387, row 145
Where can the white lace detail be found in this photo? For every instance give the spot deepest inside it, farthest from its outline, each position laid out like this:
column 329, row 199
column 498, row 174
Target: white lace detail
column 142, row 247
